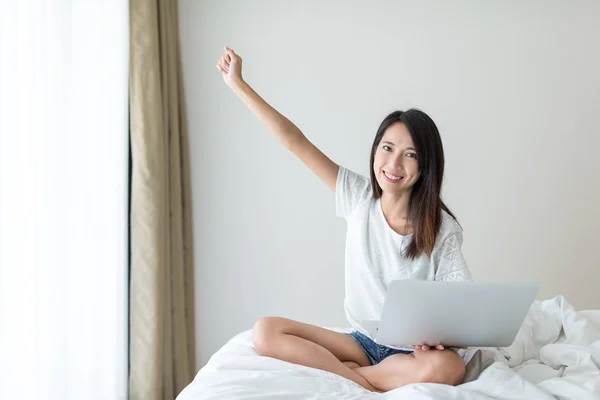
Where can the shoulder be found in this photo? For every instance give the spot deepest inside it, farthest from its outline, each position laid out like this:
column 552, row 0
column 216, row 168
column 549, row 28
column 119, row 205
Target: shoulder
column 449, row 237
column 449, row 227
column 351, row 190
column 347, row 177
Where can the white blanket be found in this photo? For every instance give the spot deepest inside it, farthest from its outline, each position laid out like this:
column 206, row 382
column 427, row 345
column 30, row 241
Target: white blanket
column 556, row 354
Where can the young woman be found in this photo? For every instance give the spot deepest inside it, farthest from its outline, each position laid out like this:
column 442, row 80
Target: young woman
column 398, row 228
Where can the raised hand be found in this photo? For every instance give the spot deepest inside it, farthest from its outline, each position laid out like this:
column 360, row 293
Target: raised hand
column 230, row 66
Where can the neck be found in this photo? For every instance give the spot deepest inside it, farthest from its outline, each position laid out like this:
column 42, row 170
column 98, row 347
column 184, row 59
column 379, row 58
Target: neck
column 395, row 205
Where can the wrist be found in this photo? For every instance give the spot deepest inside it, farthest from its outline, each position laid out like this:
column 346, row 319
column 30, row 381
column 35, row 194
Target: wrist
column 238, row 84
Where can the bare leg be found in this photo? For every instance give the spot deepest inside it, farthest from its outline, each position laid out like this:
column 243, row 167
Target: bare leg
column 311, row 346
column 351, row 364
column 435, row 366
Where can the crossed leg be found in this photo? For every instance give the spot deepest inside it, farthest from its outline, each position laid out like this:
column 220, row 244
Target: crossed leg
column 316, row 347
column 435, row 366
column 310, row 345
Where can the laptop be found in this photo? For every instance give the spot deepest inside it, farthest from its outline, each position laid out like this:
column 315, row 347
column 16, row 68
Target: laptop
column 454, row 314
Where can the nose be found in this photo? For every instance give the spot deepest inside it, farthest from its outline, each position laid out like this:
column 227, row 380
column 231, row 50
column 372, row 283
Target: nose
column 398, row 161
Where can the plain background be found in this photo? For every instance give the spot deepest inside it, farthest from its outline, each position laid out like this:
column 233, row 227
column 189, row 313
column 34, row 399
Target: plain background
column 513, row 87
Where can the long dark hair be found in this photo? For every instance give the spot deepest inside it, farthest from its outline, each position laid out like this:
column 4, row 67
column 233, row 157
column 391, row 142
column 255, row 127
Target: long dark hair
column 425, row 204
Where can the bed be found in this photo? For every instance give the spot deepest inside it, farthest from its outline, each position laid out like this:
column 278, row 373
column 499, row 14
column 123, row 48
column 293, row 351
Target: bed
column 556, row 354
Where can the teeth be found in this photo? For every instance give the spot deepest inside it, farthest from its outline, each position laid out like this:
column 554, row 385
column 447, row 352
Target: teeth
column 394, row 177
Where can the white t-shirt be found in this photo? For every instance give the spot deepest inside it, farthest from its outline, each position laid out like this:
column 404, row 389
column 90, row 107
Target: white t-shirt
column 374, row 252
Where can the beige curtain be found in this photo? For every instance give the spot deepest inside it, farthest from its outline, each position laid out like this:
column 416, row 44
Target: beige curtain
column 161, row 345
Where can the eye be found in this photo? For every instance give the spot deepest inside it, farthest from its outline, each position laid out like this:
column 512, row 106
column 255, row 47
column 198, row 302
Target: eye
column 412, row 155
column 387, row 148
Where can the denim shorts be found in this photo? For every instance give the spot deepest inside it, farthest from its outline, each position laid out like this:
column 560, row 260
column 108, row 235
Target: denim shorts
column 376, row 352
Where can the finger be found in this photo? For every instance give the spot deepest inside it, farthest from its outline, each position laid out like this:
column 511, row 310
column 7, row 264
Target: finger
column 223, row 68
column 232, row 55
column 439, row 347
column 224, row 60
column 425, row 348
column 228, row 59
column 417, row 347
column 229, row 51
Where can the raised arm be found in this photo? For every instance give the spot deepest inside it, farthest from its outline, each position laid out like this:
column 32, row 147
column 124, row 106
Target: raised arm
column 230, row 66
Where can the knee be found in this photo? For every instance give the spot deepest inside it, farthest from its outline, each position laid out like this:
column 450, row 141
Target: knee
column 264, row 334
column 444, row 367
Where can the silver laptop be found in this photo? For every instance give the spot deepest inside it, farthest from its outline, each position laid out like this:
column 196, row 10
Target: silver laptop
column 454, row 314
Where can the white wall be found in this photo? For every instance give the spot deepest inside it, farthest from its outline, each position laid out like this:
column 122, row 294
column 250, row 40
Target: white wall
column 513, row 86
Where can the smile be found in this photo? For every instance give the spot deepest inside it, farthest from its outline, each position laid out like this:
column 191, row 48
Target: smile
column 392, row 178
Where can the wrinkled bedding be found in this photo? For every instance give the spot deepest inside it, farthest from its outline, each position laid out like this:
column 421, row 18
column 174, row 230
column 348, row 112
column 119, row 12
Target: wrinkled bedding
column 556, row 354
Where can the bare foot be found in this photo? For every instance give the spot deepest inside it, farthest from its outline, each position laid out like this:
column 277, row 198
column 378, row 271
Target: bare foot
column 364, row 372
column 393, row 372
column 362, row 381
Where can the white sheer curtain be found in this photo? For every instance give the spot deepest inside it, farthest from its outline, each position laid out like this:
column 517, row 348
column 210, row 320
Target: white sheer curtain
column 63, row 199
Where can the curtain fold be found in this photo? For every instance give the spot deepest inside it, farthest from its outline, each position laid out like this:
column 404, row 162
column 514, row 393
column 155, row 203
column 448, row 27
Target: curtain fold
column 161, row 301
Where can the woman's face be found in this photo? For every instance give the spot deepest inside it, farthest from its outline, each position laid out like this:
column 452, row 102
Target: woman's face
column 396, row 165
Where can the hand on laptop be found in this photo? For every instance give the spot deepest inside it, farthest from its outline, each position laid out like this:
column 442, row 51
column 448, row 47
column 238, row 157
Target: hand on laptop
column 438, row 347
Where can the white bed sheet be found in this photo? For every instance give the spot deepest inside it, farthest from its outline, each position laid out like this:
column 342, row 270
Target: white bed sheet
column 556, row 354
